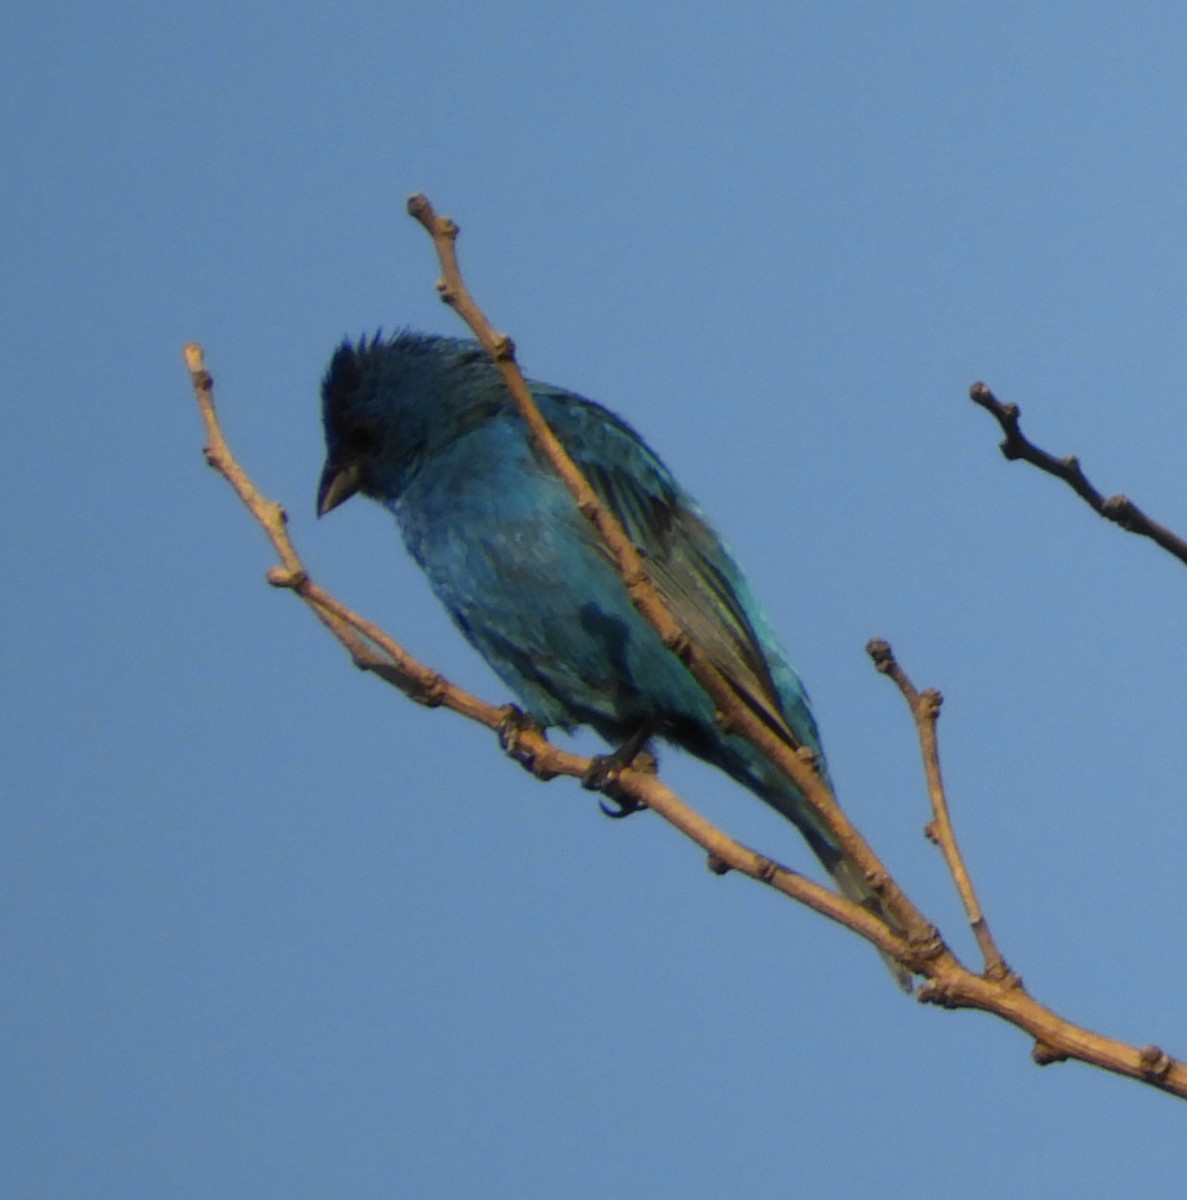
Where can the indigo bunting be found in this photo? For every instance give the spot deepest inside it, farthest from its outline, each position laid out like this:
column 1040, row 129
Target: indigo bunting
column 425, row 426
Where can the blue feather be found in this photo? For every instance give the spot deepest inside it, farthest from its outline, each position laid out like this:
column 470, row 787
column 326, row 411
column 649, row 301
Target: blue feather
column 425, row 426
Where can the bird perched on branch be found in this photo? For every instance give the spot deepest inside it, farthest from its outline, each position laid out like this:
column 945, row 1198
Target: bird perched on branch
column 426, row 426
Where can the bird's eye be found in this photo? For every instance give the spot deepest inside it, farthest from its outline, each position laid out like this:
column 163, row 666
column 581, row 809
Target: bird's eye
column 362, row 440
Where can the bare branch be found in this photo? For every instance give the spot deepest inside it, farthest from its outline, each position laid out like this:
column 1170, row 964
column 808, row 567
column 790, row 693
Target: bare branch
column 949, row 982
column 374, row 650
column 1118, row 509
column 732, row 712
column 925, row 709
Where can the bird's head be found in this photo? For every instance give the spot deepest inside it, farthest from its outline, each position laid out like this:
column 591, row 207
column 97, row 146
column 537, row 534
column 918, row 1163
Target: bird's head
column 388, row 403
column 353, row 424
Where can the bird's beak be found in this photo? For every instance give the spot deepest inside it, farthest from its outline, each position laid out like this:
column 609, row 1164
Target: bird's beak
column 339, row 481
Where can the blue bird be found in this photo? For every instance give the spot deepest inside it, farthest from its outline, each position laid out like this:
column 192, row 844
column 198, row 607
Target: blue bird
column 425, row 426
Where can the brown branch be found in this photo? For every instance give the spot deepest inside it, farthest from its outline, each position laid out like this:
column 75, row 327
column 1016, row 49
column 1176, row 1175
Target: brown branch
column 999, row 990
column 1118, row 509
column 949, row 982
column 732, row 713
column 925, row 709
column 375, row 651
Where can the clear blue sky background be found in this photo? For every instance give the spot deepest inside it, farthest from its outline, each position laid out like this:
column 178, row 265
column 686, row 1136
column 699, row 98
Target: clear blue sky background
column 268, row 930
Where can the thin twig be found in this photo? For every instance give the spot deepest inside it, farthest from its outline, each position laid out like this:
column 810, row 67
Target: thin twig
column 733, row 713
column 1118, row 509
column 949, row 982
column 374, row 650
column 925, row 709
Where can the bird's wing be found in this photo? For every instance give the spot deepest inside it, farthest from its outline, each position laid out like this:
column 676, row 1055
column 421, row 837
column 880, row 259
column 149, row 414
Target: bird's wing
column 685, row 559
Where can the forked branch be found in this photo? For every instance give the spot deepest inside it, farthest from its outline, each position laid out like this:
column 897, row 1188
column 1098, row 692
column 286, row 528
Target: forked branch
column 925, row 709
column 375, row 651
column 921, row 935
column 949, row 983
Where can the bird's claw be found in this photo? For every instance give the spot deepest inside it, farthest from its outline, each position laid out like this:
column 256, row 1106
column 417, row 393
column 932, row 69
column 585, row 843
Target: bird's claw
column 620, row 806
column 602, row 775
column 513, row 724
column 512, row 727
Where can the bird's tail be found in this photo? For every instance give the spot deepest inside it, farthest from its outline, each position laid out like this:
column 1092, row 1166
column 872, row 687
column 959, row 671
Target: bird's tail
column 846, row 874
column 783, row 796
column 852, row 884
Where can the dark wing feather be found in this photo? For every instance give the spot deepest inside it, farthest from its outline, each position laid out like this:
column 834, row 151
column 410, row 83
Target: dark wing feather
column 691, row 569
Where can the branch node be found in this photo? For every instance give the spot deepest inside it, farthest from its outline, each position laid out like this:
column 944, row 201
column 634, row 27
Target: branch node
column 926, row 945
column 1155, row 1062
column 432, row 692
column 809, row 757
column 877, row 881
column 1120, row 509
column 504, row 348
column 283, row 577
column 419, row 206
column 939, row 993
column 766, row 869
column 880, row 651
column 680, row 644
column 1044, row 1054
column 999, row 971
column 717, row 864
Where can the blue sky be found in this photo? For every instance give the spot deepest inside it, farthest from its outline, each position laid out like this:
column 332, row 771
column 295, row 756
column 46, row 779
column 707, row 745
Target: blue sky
column 270, row 930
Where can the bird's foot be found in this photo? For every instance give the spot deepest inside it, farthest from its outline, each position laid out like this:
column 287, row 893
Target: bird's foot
column 512, row 727
column 604, row 771
column 615, row 806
